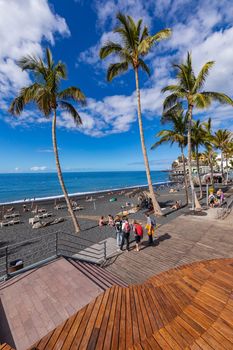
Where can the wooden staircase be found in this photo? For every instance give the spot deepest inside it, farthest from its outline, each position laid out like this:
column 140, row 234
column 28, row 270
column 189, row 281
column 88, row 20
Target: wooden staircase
column 189, row 307
column 102, row 278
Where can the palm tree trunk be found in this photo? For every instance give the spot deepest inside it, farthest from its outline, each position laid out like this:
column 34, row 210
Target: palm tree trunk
column 185, row 175
column 227, row 170
column 190, row 112
column 222, row 170
column 60, row 176
column 198, row 173
column 212, row 171
column 156, row 206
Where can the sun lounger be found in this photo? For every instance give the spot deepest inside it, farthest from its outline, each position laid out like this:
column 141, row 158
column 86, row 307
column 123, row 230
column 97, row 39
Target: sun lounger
column 41, row 210
column 78, row 208
column 11, row 215
column 60, row 206
column 43, row 215
column 32, row 221
column 9, row 223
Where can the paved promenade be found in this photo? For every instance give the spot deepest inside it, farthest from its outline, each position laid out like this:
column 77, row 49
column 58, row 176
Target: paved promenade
column 183, row 240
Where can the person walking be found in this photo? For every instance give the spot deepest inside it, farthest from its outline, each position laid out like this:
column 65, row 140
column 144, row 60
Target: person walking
column 125, row 234
column 150, row 226
column 118, row 226
column 138, row 231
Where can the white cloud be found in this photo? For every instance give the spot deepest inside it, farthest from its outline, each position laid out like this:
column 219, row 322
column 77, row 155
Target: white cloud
column 23, row 26
column 38, row 168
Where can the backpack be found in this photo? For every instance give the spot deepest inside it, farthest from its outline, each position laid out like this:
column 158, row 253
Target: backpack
column 139, row 230
column 118, row 226
column 127, row 227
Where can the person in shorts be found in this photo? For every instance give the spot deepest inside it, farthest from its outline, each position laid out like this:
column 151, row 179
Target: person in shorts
column 138, row 231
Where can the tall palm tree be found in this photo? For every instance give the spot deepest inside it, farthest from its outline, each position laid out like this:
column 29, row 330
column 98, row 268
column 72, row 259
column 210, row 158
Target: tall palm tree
column 198, row 139
column 135, row 42
column 209, row 153
column 189, row 89
column 177, row 134
column 221, row 138
column 45, row 92
column 228, row 153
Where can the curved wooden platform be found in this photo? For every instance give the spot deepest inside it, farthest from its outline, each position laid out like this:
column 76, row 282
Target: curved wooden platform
column 189, row 307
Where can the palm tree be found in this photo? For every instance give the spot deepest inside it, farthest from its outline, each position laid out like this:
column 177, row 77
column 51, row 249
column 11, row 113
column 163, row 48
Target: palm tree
column 228, row 153
column 189, row 89
column 46, row 94
column 198, row 139
column 221, row 138
column 135, row 44
column 177, row 134
column 209, row 153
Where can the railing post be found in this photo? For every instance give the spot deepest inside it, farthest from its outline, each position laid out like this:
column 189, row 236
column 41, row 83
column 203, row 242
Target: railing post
column 6, row 260
column 105, row 250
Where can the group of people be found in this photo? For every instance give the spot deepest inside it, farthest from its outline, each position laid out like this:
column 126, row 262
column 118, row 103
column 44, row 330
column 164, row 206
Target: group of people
column 123, row 230
column 216, row 200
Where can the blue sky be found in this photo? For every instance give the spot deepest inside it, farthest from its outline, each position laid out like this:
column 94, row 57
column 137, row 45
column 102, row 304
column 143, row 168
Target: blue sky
column 75, row 30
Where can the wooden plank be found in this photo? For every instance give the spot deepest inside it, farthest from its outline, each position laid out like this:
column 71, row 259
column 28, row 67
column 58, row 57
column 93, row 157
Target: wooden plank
column 135, row 325
column 111, row 321
column 169, row 339
column 116, row 336
column 90, row 325
column 141, row 314
column 129, row 322
column 104, row 323
column 74, row 328
column 162, row 342
column 212, row 342
column 96, row 328
column 215, row 335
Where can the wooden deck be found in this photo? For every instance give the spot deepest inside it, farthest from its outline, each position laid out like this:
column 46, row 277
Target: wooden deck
column 184, row 240
column 189, row 307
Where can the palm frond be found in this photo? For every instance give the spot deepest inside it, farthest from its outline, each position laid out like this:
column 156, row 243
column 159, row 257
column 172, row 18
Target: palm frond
column 115, row 69
column 17, row 106
column 60, row 70
column 28, row 62
column 173, row 88
column 109, row 48
column 144, row 66
column 203, row 74
column 49, row 58
column 201, row 101
column 68, row 107
column 72, row 93
column 126, row 31
column 161, row 35
column 144, row 35
column 218, row 96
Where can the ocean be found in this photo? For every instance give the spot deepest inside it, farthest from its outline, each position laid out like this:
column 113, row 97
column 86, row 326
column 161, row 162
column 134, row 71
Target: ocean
column 17, row 187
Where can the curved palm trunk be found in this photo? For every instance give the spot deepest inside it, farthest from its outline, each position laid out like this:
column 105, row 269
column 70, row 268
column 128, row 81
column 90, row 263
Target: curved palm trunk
column 198, row 174
column 222, row 170
column 227, row 170
column 190, row 111
column 212, row 171
column 194, row 197
column 156, row 206
column 185, row 175
column 60, row 176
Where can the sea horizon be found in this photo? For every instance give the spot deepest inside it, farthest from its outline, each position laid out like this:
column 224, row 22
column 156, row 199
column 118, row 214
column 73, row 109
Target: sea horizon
column 18, row 187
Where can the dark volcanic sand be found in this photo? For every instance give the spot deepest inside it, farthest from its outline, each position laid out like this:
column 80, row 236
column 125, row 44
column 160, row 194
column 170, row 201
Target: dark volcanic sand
column 44, row 238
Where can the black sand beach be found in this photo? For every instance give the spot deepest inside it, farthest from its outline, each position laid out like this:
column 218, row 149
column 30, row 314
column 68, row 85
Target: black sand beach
column 42, row 240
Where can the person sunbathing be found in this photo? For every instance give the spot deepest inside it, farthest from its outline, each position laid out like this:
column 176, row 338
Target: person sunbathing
column 102, row 222
column 111, row 221
column 176, row 206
